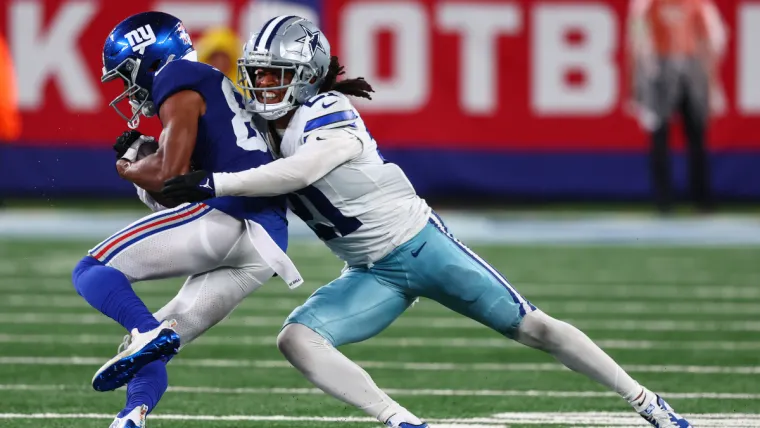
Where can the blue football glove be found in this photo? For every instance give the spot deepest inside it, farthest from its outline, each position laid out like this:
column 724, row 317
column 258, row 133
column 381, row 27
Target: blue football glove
column 195, row 186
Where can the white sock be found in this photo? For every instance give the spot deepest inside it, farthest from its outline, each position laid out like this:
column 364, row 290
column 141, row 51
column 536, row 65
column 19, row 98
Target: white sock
column 641, row 401
column 577, row 352
column 335, row 374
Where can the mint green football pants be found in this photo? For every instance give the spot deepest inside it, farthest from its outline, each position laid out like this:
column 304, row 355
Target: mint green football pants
column 365, row 300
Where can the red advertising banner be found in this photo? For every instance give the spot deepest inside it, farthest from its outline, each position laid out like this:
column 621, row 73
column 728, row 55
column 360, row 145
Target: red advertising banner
column 533, row 75
column 57, row 45
column 528, row 75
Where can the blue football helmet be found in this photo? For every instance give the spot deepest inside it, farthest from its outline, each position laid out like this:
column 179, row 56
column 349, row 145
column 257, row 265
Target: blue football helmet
column 135, row 50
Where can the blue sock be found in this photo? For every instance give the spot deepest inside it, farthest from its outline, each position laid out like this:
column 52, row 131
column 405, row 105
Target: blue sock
column 109, row 291
column 147, row 387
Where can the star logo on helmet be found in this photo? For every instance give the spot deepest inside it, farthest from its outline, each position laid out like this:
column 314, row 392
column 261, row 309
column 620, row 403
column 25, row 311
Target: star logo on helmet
column 311, row 41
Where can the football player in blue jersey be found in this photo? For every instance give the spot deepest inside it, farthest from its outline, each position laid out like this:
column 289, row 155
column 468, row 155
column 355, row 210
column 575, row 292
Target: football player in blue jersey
column 226, row 247
column 365, row 210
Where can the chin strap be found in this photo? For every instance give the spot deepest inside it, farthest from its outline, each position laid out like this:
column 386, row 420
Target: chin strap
column 134, row 123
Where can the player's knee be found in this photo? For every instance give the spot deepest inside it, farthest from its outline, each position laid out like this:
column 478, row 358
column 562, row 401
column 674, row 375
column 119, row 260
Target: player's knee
column 83, row 266
column 287, row 340
column 297, row 339
column 538, row 330
column 541, row 331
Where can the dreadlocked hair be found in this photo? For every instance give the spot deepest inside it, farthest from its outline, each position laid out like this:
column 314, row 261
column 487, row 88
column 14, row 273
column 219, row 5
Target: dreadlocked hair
column 355, row 87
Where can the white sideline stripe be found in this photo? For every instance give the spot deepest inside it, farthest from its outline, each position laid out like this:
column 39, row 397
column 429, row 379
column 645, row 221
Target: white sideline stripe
column 487, row 367
column 405, row 342
column 586, row 419
column 405, row 392
column 473, row 227
column 419, row 322
column 257, row 303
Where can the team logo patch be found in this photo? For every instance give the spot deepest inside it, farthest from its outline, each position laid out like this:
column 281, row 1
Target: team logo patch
column 311, row 42
column 141, row 38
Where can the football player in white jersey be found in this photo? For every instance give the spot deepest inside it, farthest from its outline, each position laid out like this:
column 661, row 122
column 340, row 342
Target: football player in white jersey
column 395, row 247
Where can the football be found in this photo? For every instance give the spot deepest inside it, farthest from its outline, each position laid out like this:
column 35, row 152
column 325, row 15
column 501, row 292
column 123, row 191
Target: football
column 148, row 147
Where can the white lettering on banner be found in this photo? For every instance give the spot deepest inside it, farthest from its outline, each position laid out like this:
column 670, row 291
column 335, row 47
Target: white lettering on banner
column 480, row 26
column 748, row 59
column 409, row 86
column 197, row 16
column 48, row 50
column 256, row 14
column 554, row 57
column 54, row 55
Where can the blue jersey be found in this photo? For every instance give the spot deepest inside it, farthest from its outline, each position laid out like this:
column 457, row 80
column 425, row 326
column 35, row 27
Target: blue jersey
column 228, row 139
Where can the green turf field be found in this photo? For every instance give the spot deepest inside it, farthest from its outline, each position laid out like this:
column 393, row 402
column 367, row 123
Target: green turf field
column 684, row 321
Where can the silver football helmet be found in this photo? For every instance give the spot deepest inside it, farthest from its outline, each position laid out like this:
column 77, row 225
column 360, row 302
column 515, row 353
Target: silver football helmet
column 295, row 47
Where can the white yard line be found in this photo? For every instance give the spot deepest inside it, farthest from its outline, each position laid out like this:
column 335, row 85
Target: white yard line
column 405, row 342
column 569, row 306
column 401, row 392
column 487, row 367
column 712, row 293
column 70, row 300
column 446, row 323
column 586, row 419
column 616, row 419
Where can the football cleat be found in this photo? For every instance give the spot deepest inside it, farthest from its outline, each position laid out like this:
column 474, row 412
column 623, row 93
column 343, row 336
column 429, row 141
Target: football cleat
column 400, row 420
column 142, row 349
column 408, row 425
column 661, row 415
column 133, row 419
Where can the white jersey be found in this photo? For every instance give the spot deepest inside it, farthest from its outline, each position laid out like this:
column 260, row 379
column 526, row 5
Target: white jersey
column 364, row 208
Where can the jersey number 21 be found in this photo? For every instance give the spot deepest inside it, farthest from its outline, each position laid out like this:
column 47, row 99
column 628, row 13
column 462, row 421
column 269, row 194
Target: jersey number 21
column 339, row 225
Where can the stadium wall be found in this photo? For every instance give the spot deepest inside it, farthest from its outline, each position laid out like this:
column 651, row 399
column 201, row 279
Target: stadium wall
column 519, row 99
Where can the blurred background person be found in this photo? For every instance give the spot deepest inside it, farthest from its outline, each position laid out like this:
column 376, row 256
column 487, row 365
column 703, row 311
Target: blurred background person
column 220, row 48
column 10, row 120
column 673, row 53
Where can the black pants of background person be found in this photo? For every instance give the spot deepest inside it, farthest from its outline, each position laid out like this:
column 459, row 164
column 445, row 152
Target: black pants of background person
column 679, row 86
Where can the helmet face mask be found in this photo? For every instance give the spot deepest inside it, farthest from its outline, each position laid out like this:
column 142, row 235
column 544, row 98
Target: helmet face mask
column 139, row 97
column 293, row 49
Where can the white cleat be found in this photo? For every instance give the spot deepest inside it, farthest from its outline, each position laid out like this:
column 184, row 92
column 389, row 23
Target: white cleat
column 133, row 419
column 659, row 413
column 399, row 420
column 160, row 343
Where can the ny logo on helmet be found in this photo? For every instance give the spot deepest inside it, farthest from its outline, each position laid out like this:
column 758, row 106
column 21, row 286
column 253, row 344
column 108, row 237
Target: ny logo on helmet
column 141, row 38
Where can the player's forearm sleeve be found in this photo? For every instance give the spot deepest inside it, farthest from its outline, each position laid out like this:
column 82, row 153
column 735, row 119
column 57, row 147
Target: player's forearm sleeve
column 312, row 161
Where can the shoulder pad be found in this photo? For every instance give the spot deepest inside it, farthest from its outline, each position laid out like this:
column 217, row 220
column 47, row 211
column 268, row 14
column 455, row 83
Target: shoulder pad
column 179, row 75
column 327, row 111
